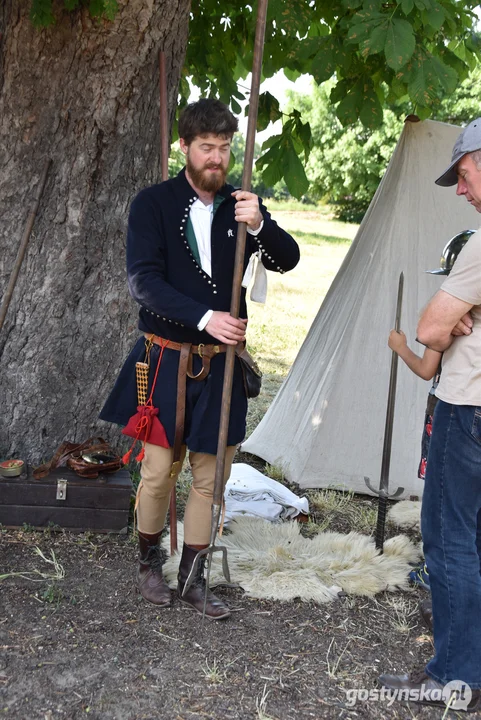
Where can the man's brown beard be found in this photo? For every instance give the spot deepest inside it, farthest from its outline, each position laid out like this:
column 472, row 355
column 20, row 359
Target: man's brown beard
column 207, row 183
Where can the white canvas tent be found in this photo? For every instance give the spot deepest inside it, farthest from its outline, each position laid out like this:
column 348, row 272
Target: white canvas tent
column 326, row 425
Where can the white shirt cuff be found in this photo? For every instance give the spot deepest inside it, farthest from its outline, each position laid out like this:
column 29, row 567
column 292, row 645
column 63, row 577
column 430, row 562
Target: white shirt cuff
column 204, row 320
column 255, row 232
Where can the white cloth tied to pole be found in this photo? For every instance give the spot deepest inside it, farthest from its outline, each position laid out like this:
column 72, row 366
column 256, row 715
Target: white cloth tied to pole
column 249, row 492
column 255, row 269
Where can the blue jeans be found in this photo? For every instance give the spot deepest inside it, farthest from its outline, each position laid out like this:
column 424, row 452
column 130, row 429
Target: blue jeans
column 451, row 529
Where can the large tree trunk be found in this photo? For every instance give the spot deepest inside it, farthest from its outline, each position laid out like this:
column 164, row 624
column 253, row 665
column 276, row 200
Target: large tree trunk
column 84, row 93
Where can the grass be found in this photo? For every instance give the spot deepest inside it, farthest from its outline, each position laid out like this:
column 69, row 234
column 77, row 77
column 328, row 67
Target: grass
column 402, row 613
column 333, row 662
column 278, row 328
column 261, row 705
column 212, row 673
column 56, row 573
column 341, row 511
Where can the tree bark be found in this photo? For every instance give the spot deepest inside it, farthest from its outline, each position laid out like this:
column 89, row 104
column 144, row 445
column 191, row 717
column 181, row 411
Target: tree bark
column 84, row 93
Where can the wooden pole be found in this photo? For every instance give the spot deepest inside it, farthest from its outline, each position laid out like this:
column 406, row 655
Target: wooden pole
column 164, row 164
column 240, row 250
column 235, row 298
column 164, row 118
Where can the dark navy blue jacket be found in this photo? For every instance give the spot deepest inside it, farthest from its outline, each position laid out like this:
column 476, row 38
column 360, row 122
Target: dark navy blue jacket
column 174, row 293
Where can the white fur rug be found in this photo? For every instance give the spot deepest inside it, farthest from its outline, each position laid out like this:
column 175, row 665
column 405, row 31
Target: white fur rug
column 274, row 561
column 406, row 514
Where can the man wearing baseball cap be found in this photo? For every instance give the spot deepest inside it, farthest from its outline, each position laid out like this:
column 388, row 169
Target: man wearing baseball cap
column 451, row 509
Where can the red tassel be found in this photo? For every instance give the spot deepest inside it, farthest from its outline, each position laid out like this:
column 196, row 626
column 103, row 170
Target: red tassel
column 140, row 456
column 126, row 457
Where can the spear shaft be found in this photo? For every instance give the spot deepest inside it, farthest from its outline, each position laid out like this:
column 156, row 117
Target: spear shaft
column 234, row 311
column 164, row 164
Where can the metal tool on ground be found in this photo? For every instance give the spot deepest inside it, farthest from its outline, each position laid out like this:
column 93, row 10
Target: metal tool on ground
column 383, row 492
column 234, row 311
column 23, row 243
column 164, row 164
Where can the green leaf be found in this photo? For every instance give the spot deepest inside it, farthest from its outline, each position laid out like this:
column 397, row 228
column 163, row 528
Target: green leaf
column 445, row 75
column 371, row 114
column 359, row 32
column 303, row 132
column 339, row 91
column 400, row 43
column 376, row 42
column 421, row 86
column 295, row 175
column 369, row 13
column 292, row 75
column 111, row 8
column 270, row 141
column 423, row 112
column 407, row 6
column 435, row 15
column 323, row 65
column 103, row 8
column 363, row 23
column 273, row 165
column 350, row 107
column 398, row 87
column 236, row 108
column 41, row 13
column 96, row 8
column 289, row 14
column 268, row 110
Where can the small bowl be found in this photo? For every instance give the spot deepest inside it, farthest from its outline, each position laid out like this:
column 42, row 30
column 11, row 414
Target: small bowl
column 11, row 468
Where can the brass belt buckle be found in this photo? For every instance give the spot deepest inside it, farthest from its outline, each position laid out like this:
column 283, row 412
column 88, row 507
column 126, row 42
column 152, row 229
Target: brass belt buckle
column 216, row 349
column 200, row 349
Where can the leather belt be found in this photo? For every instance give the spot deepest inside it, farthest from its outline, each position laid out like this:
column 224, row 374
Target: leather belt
column 187, row 351
column 195, row 349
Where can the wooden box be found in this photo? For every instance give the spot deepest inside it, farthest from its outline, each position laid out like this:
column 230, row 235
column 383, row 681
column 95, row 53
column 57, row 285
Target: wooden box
column 67, row 500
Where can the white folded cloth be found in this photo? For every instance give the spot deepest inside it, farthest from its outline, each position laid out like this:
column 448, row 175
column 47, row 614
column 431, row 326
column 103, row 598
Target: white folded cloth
column 249, row 492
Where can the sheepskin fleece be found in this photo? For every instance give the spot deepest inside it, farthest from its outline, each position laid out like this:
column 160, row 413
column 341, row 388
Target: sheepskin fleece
column 274, row 561
column 406, row 514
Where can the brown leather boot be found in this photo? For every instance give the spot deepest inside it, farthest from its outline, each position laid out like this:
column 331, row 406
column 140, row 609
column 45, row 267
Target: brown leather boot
column 215, row 609
column 150, row 581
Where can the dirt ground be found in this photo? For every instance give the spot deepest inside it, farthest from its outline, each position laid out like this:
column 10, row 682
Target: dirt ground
column 88, row 646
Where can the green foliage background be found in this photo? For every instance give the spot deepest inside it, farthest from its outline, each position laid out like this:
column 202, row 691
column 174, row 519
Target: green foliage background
column 347, row 163
column 378, row 57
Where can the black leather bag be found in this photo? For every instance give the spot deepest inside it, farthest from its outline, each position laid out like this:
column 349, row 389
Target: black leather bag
column 251, row 374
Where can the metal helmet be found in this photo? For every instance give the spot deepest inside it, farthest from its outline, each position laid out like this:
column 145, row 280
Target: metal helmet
column 451, row 252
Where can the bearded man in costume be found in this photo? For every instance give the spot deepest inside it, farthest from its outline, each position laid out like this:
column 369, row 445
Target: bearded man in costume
column 180, row 263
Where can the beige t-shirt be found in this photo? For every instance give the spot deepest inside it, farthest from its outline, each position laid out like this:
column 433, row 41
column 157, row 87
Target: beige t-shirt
column 460, row 382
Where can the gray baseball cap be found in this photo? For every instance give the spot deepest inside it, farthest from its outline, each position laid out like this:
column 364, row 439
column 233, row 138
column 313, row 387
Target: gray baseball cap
column 468, row 141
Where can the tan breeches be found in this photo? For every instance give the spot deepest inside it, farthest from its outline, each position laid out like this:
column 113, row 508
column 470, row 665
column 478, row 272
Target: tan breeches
column 153, row 494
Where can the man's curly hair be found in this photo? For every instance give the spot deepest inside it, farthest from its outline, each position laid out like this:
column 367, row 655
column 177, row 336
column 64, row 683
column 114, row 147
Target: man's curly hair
column 204, row 117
